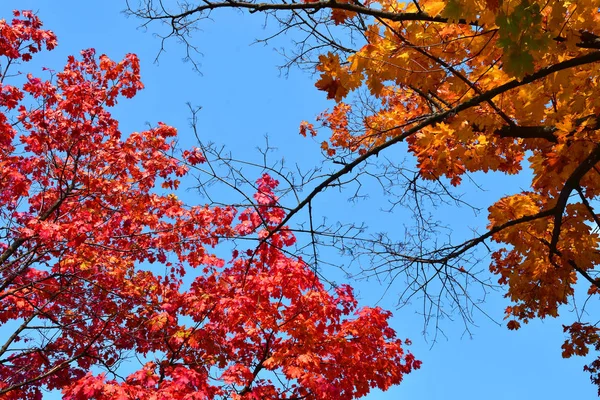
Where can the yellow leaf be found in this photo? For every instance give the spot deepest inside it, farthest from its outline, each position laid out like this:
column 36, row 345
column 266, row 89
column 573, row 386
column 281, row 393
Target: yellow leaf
column 433, row 8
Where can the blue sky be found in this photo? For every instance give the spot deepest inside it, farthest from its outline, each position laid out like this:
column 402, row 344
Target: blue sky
column 244, row 97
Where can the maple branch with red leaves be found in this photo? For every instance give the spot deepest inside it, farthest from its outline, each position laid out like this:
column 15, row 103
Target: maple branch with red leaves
column 87, row 209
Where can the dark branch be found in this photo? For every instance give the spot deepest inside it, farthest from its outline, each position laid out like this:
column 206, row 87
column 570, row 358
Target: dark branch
column 539, row 132
column 572, row 183
column 311, row 7
column 528, row 132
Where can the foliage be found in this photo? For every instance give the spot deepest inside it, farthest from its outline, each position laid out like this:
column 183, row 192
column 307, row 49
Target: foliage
column 469, row 86
column 95, row 246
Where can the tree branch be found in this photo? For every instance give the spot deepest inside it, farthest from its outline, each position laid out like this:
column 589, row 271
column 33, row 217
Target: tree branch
column 436, row 118
column 571, row 184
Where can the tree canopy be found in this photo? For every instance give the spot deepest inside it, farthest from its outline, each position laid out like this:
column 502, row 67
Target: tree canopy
column 95, row 244
column 101, row 262
column 469, row 86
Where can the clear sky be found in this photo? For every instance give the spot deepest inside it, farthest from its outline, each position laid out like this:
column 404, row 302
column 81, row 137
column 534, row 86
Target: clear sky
column 244, row 97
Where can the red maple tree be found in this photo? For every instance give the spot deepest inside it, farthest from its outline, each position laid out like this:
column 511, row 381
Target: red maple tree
column 83, row 207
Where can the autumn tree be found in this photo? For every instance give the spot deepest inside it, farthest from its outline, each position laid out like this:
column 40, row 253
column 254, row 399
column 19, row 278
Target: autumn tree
column 95, row 244
column 464, row 86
